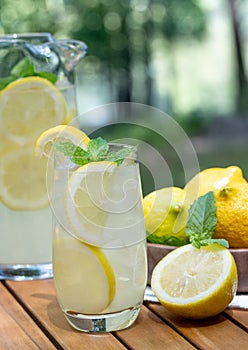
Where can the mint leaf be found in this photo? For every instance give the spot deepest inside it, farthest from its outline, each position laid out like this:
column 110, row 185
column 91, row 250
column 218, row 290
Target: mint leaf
column 202, row 221
column 80, row 156
column 23, row 68
column 220, row 241
column 120, row 155
column 76, row 154
column 97, row 149
column 68, row 148
column 202, row 215
column 167, row 240
column 6, row 81
column 207, row 241
column 46, row 75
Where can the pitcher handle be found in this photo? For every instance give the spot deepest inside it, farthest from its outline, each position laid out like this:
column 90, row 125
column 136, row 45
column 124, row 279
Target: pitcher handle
column 71, row 52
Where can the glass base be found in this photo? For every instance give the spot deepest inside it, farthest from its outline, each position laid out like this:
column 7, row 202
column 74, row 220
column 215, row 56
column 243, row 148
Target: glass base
column 103, row 323
column 25, row 272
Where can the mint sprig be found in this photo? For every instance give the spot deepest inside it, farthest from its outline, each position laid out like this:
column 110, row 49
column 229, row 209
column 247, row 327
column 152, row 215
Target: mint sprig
column 97, row 150
column 23, row 69
column 202, row 222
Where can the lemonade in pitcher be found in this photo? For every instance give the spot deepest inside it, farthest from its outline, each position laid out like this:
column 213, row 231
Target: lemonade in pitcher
column 36, row 93
column 99, row 238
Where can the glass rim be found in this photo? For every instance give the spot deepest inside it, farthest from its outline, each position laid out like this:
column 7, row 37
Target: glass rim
column 26, row 35
column 123, row 145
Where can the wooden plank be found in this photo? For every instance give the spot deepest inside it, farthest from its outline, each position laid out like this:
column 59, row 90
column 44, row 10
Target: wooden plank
column 150, row 332
column 240, row 316
column 17, row 329
column 217, row 333
column 40, row 299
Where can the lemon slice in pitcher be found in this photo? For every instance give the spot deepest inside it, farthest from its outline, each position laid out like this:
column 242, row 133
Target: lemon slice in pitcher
column 84, row 279
column 23, row 180
column 28, row 106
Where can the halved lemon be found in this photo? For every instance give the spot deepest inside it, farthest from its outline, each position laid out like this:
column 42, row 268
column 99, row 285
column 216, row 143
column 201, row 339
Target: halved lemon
column 28, row 106
column 23, row 180
column 196, row 283
column 87, row 195
column 59, row 133
column 84, row 279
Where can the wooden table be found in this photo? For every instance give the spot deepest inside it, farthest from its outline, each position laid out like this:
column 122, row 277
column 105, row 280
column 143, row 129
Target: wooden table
column 30, row 318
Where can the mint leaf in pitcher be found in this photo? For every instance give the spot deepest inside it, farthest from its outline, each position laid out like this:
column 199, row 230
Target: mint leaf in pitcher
column 23, row 69
column 46, row 75
column 6, row 81
column 202, row 222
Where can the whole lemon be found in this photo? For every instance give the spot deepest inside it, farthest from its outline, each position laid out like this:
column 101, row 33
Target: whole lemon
column 231, row 193
column 213, row 179
column 232, row 214
column 166, row 214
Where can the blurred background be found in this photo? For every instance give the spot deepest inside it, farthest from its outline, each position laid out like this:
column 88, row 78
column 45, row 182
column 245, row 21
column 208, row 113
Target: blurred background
column 188, row 58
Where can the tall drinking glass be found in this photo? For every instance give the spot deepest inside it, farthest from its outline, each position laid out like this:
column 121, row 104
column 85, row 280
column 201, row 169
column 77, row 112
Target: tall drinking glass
column 99, row 243
column 37, row 92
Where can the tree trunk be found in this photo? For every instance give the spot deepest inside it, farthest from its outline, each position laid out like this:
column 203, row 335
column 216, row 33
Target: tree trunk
column 241, row 77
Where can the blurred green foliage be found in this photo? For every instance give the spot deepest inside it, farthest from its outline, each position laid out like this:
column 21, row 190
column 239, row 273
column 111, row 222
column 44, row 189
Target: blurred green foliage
column 140, row 46
column 122, row 32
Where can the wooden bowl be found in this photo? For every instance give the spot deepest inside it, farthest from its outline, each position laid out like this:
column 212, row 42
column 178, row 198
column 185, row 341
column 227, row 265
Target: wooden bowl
column 157, row 251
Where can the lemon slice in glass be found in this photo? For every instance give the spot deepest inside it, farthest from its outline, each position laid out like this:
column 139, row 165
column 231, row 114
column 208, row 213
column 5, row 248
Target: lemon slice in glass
column 196, row 283
column 87, row 195
column 59, row 133
column 84, row 279
column 28, row 106
column 23, row 180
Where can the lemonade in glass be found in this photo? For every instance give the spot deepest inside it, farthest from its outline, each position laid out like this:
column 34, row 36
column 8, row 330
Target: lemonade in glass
column 37, row 92
column 99, row 240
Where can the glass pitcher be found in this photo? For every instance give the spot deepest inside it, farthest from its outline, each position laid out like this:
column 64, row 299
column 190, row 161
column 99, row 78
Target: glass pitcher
column 37, row 92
